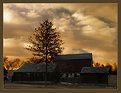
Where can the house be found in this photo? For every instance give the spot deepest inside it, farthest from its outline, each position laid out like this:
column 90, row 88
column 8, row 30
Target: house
column 95, row 75
column 36, row 72
column 70, row 65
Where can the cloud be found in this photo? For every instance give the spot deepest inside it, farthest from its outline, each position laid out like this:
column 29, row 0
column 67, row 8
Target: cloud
column 16, row 30
column 83, row 27
column 14, row 47
column 109, row 23
column 107, row 10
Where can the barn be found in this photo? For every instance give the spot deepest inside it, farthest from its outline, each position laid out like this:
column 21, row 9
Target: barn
column 95, row 75
column 36, row 72
column 71, row 64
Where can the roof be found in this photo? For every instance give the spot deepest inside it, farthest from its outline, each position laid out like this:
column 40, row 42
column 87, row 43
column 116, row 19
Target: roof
column 95, row 70
column 36, row 67
column 74, row 56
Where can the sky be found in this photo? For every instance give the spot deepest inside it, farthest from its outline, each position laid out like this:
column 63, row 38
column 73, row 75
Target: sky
column 84, row 28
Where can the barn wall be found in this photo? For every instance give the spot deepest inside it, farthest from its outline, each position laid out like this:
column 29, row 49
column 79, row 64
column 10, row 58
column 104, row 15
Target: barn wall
column 73, row 66
column 94, row 78
column 34, row 76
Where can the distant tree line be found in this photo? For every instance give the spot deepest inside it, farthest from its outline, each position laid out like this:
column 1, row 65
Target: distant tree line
column 113, row 68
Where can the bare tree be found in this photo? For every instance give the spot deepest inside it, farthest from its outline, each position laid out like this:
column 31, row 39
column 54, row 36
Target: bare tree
column 12, row 64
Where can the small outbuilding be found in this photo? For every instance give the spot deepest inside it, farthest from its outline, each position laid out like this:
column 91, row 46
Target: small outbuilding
column 95, row 75
column 36, row 72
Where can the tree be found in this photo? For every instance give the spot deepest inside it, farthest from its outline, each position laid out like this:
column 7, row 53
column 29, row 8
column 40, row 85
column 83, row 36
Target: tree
column 97, row 64
column 12, row 64
column 6, row 63
column 45, row 43
column 110, row 67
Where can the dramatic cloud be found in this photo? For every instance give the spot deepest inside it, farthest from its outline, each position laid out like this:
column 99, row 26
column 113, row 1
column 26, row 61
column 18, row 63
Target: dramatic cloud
column 84, row 27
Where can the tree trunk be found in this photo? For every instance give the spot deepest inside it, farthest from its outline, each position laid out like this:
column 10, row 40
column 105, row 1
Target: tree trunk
column 46, row 63
column 46, row 72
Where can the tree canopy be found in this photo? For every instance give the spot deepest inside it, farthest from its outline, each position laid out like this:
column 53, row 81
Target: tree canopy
column 45, row 42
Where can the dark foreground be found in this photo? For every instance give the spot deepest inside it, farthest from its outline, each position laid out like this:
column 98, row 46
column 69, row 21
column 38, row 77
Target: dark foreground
column 58, row 86
column 112, row 84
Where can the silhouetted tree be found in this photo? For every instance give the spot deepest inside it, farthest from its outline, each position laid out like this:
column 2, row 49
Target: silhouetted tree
column 109, row 66
column 102, row 65
column 97, row 64
column 45, row 43
column 113, row 68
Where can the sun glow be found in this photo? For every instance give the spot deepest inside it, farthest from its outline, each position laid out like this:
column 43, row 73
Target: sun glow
column 7, row 16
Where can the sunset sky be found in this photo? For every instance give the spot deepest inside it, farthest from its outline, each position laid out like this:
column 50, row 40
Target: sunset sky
column 84, row 28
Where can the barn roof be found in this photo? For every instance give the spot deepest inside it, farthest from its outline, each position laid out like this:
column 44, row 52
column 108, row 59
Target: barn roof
column 95, row 70
column 35, row 67
column 74, row 56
